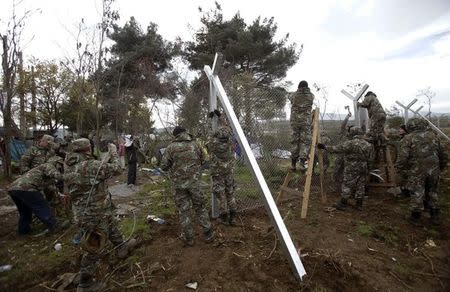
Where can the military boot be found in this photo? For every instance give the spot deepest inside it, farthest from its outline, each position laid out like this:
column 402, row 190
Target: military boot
column 426, row 206
column 359, row 204
column 224, row 219
column 435, row 218
column 125, row 249
column 87, row 284
column 232, row 218
column 341, row 205
column 209, row 236
column 293, row 164
column 414, row 219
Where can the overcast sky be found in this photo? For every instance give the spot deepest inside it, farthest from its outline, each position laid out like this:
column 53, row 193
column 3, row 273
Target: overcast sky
column 396, row 46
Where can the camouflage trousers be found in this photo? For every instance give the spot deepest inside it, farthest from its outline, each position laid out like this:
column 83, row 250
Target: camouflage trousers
column 338, row 170
column 377, row 123
column 97, row 231
column 424, row 188
column 300, row 141
column 183, row 199
column 354, row 180
column 223, row 186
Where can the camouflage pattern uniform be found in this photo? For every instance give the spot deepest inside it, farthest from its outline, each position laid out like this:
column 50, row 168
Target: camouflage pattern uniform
column 302, row 103
column 26, row 192
column 85, row 181
column 338, row 170
column 422, row 158
column 357, row 153
column 183, row 159
column 37, row 155
column 377, row 115
column 222, row 170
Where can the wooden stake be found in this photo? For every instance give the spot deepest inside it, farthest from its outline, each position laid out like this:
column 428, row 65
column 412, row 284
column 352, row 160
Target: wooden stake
column 322, row 193
column 309, row 172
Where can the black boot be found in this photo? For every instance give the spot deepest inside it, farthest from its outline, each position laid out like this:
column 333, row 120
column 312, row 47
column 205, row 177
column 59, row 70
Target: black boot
column 435, row 218
column 209, row 236
column 415, row 218
column 341, row 205
column 293, row 163
column 426, row 207
column 223, row 219
column 359, row 204
column 232, row 218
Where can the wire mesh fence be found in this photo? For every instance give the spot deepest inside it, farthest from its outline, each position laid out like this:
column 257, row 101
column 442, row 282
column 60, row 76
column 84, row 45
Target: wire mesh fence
column 264, row 116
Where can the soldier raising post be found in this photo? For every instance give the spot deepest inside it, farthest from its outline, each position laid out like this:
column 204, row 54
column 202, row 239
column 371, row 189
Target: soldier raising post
column 302, row 102
column 220, row 146
column 377, row 116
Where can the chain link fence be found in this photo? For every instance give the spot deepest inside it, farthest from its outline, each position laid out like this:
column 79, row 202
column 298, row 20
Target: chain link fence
column 264, row 117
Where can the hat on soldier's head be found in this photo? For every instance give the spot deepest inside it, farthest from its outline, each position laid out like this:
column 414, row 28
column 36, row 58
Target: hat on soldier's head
column 303, row 84
column 48, row 138
column 178, row 130
column 55, row 159
column 81, row 145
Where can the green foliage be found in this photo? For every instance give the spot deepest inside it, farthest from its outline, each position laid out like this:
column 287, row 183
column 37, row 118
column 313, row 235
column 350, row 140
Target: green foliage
column 395, row 122
column 246, row 47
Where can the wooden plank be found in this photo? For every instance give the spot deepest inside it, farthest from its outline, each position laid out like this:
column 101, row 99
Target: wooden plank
column 322, row 193
column 310, row 163
column 286, row 181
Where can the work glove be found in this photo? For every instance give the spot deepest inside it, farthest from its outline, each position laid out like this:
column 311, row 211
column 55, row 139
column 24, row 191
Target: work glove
column 218, row 114
column 321, row 146
column 211, row 115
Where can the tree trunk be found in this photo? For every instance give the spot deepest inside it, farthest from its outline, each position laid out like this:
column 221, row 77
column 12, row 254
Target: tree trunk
column 33, row 98
column 7, row 119
column 22, row 118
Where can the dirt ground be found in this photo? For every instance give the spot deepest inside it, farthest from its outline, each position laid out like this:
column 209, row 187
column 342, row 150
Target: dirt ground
column 373, row 250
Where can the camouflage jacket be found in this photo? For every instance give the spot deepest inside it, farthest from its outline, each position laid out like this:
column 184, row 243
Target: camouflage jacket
column 41, row 177
column 421, row 153
column 220, row 148
column 35, row 156
column 302, row 102
column 183, row 158
column 354, row 150
column 373, row 105
column 85, row 180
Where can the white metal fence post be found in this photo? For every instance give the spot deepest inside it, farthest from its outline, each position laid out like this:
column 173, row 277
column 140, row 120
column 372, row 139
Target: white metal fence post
column 271, row 207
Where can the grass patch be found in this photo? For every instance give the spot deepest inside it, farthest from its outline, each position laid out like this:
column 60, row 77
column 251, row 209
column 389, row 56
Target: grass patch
column 402, row 270
column 136, row 227
column 364, row 229
column 387, row 234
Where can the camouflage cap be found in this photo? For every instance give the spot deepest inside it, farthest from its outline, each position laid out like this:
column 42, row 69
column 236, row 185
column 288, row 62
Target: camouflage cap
column 48, row 138
column 81, row 145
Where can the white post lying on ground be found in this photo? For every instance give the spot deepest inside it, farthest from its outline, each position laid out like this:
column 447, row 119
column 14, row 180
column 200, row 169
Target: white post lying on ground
column 431, row 124
column 360, row 114
column 274, row 214
column 406, row 108
column 212, row 106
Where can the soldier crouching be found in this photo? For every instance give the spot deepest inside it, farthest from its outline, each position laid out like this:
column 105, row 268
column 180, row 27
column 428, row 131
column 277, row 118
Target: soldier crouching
column 92, row 205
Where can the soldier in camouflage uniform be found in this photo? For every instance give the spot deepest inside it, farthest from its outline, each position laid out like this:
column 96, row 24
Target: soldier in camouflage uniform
column 302, row 103
column 357, row 153
column 338, row 170
column 422, row 158
column 26, row 192
column 377, row 116
column 183, row 159
column 37, row 155
column 222, row 165
column 86, row 184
